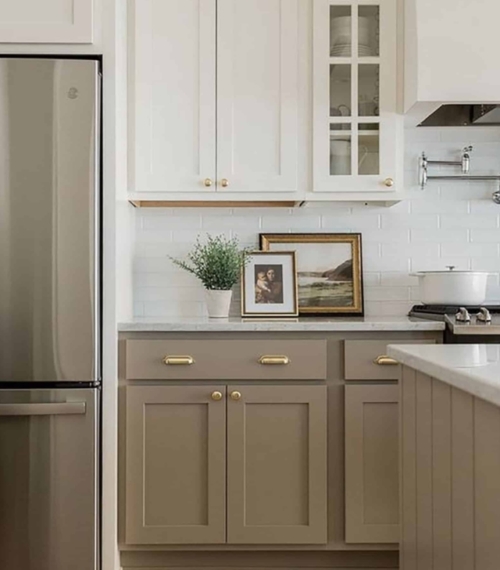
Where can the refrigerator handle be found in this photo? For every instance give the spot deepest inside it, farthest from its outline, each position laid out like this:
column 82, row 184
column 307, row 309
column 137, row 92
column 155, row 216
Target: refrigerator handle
column 56, row 409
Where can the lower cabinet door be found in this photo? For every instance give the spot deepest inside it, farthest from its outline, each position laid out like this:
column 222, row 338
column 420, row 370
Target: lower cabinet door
column 276, row 465
column 371, row 464
column 175, row 465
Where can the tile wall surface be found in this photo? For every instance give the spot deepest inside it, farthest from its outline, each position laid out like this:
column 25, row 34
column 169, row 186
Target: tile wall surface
column 450, row 223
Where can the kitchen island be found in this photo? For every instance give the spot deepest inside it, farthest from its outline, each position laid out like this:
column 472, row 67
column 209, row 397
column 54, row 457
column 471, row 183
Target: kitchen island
column 449, row 456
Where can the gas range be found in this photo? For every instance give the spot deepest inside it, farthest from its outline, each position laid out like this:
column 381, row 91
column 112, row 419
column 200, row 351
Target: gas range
column 464, row 324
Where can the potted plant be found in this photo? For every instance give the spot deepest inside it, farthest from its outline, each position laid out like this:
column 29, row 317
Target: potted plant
column 217, row 264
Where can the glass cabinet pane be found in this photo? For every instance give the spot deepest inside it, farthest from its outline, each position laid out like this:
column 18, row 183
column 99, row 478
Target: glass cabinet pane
column 340, row 149
column 340, row 31
column 340, row 90
column 368, row 31
column 369, row 149
column 368, row 90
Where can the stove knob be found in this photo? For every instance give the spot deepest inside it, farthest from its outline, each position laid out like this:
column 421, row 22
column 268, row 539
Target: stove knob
column 484, row 316
column 463, row 315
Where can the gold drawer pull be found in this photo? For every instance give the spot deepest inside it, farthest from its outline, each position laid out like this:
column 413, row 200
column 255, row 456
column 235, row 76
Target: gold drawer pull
column 178, row 360
column 384, row 360
column 217, row 396
column 235, row 396
column 274, row 360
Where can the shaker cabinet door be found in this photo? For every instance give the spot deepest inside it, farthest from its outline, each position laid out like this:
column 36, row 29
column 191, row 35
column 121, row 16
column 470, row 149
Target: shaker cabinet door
column 257, row 95
column 276, row 465
column 371, row 464
column 355, row 122
column 172, row 92
column 175, row 465
column 46, row 21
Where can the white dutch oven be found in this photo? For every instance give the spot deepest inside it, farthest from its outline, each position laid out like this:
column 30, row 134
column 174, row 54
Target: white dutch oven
column 452, row 287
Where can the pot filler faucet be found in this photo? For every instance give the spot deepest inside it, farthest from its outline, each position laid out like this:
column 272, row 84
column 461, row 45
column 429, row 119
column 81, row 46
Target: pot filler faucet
column 463, row 163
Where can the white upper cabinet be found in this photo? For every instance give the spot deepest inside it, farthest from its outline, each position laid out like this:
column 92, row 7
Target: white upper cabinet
column 257, row 95
column 451, row 54
column 213, row 97
column 46, row 21
column 172, row 89
column 355, row 122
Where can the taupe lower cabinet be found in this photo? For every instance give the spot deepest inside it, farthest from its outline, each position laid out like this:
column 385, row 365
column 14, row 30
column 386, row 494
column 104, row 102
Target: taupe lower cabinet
column 176, row 464
column 371, row 463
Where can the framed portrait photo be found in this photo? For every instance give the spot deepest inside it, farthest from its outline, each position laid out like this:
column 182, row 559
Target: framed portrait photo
column 269, row 285
column 329, row 271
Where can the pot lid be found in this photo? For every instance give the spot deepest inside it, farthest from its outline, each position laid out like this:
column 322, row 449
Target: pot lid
column 452, row 272
column 451, row 269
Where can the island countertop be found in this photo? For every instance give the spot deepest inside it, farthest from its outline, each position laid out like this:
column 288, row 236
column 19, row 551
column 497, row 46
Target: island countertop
column 311, row 324
column 473, row 368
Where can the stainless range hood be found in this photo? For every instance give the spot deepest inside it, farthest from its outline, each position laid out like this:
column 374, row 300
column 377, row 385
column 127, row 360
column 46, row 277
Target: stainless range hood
column 477, row 115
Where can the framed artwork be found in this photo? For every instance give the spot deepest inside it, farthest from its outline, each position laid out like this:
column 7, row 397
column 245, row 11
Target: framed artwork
column 329, row 271
column 269, row 285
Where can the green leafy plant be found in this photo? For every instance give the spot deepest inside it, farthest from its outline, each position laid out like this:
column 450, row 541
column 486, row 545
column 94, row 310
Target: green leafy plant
column 216, row 263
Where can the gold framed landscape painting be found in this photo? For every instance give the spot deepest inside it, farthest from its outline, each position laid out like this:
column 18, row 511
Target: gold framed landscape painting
column 329, row 271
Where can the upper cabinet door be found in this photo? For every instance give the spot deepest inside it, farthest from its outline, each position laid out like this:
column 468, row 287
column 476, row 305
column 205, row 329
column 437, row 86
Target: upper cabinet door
column 46, row 21
column 354, row 83
column 257, row 95
column 276, row 465
column 172, row 95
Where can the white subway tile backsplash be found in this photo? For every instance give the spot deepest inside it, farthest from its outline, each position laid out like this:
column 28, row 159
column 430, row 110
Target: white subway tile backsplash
column 439, row 264
column 172, row 222
column 387, row 294
column 410, row 249
column 470, row 221
column 216, row 224
column 386, row 236
column 439, row 236
column 287, row 224
column 448, row 223
column 485, row 236
column 390, row 279
column 470, row 250
column 408, row 221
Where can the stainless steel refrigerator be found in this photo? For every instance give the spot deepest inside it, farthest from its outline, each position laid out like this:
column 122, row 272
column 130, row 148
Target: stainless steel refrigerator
column 50, row 313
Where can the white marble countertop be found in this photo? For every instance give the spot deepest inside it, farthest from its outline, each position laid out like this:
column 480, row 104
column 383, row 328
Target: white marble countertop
column 474, row 368
column 293, row 325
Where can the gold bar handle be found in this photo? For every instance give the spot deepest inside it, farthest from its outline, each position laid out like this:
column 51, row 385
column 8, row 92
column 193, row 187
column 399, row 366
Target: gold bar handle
column 384, row 360
column 178, row 360
column 274, row 360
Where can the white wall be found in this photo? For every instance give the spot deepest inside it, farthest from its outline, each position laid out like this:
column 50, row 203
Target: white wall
column 450, row 223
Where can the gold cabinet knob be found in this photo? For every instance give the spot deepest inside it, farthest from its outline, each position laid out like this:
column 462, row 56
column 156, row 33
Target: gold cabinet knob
column 224, row 182
column 389, row 182
column 235, row 395
column 384, row 360
column 178, row 360
column 208, row 182
column 217, row 396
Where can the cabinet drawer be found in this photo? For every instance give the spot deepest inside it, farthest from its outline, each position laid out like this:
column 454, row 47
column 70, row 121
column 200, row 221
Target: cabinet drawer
column 225, row 360
column 360, row 358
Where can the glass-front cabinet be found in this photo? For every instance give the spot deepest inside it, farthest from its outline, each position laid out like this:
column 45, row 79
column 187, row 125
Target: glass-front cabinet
column 354, row 84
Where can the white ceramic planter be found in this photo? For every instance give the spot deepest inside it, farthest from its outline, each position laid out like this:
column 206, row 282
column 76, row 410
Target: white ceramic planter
column 218, row 303
column 452, row 287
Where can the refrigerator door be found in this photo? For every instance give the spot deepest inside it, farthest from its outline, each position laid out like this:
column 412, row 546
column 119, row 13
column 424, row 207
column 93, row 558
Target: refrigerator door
column 49, row 220
column 48, row 479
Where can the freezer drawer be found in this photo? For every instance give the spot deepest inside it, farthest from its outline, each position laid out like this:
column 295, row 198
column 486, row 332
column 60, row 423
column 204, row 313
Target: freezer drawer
column 48, row 479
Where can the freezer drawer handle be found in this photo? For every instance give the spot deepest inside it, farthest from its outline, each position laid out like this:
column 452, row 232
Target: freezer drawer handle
column 55, row 409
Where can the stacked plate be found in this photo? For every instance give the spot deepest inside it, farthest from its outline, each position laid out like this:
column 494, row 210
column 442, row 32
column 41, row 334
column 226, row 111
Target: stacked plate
column 344, row 50
column 340, row 34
